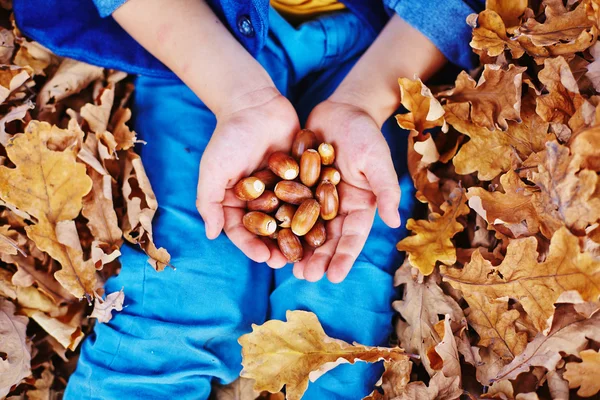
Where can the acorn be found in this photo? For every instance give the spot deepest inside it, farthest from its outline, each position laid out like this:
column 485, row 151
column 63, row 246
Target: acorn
column 266, row 202
column 283, row 165
column 248, row 188
column 267, row 177
column 304, row 140
column 310, row 167
column 328, row 199
column 330, row 174
column 259, row 223
column 305, row 217
column 327, row 153
column 284, row 215
column 292, row 192
column 317, row 235
column 290, row 245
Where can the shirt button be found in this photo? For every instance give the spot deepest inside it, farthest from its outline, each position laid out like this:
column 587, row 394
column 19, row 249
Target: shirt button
column 245, row 26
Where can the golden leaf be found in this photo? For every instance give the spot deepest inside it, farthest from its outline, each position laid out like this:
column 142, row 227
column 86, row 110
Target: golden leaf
column 15, row 364
column 490, row 36
column 426, row 183
column 586, row 145
column 520, row 276
column 584, row 375
column 49, row 185
column 570, row 331
column 97, row 116
column 425, row 112
column 490, row 153
column 395, row 377
column 431, row 242
column 494, row 100
column 495, row 324
column 422, row 302
column 290, row 353
column 510, row 10
column 11, row 79
column 124, row 136
column 68, row 334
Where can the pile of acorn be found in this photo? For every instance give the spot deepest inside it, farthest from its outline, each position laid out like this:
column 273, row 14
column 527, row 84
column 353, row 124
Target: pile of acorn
column 298, row 191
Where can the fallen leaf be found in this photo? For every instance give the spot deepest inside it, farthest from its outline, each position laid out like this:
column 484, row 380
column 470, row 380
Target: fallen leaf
column 490, row 36
column 290, row 353
column 494, row 100
column 584, row 375
column 510, row 10
column 34, row 55
column 68, row 334
column 422, row 301
column 11, row 79
column 395, row 377
column 586, row 145
column 7, row 45
column 43, row 385
column 431, row 242
column 15, row 113
column 15, row 363
column 425, row 112
column 240, row 389
column 103, row 308
column 520, row 276
column 55, row 188
column 97, row 116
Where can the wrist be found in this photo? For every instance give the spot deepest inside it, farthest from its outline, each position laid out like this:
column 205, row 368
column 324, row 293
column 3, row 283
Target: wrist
column 245, row 98
column 379, row 105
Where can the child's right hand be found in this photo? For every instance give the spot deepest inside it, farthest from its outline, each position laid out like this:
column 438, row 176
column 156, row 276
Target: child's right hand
column 258, row 124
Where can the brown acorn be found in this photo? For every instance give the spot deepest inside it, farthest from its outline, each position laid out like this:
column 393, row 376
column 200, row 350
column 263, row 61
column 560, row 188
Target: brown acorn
column 292, row 192
column 267, row 177
column 317, row 235
column 310, row 167
column 330, row 174
column 304, row 140
column 248, row 188
column 259, row 223
column 290, row 245
column 283, row 165
column 284, row 215
column 266, row 202
column 327, row 197
column 305, row 217
column 327, row 153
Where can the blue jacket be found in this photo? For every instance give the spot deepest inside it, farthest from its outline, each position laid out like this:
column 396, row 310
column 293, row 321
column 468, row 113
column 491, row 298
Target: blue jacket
column 84, row 30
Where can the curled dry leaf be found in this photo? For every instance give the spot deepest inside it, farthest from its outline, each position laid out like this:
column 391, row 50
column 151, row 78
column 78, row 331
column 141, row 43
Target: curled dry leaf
column 16, row 361
column 431, row 242
column 103, row 308
column 425, row 112
column 584, row 375
column 290, row 353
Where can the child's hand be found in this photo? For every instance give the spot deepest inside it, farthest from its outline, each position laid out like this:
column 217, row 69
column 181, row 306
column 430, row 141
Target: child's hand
column 368, row 179
column 244, row 137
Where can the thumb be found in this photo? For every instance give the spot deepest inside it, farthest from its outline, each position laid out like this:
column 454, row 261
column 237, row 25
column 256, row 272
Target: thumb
column 209, row 199
column 383, row 180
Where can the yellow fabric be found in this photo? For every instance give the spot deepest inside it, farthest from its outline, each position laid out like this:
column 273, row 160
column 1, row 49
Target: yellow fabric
column 302, row 10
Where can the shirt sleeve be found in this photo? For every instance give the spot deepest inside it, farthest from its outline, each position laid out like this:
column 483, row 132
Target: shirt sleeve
column 107, row 7
column 444, row 23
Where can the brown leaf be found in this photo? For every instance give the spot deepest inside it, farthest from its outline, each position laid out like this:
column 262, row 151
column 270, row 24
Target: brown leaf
column 535, row 285
column 510, row 10
column 586, row 145
column 425, row 112
column 569, row 333
column 240, row 389
column 34, row 55
column 125, row 137
column 55, row 185
column 15, row 113
column 495, row 324
column 12, row 78
column 103, row 308
column 490, row 153
column 422, row 301
column 395, row 377
column 15, row 364
column 68, row 333
column 584, row 375
column 7, row 45
column 490, row 36
column 426, row 182
column 494, row 100
column 98, row 115
column 290, row 353
column 431, row 242
column 43, row 385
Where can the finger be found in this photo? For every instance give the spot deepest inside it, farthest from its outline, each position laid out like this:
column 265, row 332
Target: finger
column 299, row 266
column 383, row 181
column 209, row 198
column 277, row 259
column 254, row 248
column 319, row 262
column 355, row 231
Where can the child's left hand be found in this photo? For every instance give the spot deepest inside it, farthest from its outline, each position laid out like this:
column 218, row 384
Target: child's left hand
column 369, row 180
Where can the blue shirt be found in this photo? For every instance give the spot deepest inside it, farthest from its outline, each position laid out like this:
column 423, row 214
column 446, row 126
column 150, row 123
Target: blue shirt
column 84, row 30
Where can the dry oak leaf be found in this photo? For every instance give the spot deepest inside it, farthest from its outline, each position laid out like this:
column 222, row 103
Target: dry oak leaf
column 431, row 242
column 510, row 10
column 567, row 32
column 97, row 116
column 34, row 55
column 495, row 324
column 49, row 185
column 569, row 334
column 425, row 112
column 535, row 285
column 490, row 153
column 290, row 353
column 425, row 181
column 511, row 208
column 584, row 375
column 490, row 36
column 68, row 334
column 495, row 98
column 395, row 377
column 15, row 364
column 422, row 301
column 586, row 145
column 103, row 308
column 15, row 113
column 566, row 195
column 43, row 385
column 12, row 77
